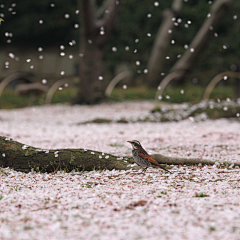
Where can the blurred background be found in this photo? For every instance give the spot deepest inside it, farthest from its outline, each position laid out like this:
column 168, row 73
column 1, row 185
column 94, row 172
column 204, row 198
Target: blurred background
column 70, row 51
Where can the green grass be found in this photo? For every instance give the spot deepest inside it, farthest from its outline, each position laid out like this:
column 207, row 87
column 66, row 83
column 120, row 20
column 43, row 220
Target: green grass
column 163, row 192
column 133, row 93
column 10, row 100
column 201, row 195
column 211, row 229
column 16, row 188
column 192, row 93
column 116, row 145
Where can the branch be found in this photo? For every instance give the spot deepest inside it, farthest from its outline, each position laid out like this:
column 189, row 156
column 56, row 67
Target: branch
column 218, row 11
column 102, row 9
column 160, row 47
column 184, row 64
column 191, row 161
column 107, row 15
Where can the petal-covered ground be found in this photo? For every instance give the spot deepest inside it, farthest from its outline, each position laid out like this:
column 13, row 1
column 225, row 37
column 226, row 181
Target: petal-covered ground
column 191, row 203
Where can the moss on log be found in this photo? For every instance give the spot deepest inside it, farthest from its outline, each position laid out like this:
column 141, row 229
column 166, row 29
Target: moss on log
column 26, row 158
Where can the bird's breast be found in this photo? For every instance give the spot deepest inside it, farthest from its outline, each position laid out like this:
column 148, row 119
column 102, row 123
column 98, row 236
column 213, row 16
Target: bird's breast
column 134, row 153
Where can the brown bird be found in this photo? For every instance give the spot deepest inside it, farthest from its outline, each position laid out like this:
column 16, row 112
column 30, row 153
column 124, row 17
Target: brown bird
column 142, row 158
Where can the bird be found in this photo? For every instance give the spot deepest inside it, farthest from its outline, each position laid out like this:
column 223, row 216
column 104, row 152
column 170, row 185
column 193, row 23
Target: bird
column 142, row 158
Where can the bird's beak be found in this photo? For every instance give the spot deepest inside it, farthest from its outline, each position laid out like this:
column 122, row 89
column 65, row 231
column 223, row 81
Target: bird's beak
column 129, row 141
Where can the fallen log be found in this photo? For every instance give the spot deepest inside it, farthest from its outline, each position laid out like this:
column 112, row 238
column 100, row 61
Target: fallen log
column 21, row 157
column 25, row 158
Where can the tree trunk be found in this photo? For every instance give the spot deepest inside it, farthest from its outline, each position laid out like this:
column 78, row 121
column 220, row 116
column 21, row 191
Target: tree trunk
column 95, row 31
column 237, row 91
column 160, row 47
column 26, row 158
column 91, row 87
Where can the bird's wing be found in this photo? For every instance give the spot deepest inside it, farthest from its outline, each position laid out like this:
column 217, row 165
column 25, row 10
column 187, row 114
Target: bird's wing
column 144, row 155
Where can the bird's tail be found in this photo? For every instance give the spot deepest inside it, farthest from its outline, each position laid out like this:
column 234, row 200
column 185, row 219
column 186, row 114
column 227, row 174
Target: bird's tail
column 163, row 168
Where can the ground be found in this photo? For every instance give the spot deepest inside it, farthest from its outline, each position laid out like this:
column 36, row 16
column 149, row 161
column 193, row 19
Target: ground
column 194, row 202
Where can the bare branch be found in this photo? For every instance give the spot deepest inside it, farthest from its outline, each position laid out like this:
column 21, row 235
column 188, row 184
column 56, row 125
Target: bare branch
column 193, row 161
column 102, row 10
column 217, row 12
column 110, row 12
column 177, row 5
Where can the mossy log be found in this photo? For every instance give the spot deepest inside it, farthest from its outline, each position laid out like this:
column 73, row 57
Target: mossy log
column 25, row 158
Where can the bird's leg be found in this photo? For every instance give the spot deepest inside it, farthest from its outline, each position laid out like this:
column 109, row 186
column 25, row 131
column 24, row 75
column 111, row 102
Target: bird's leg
column 144, row 170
